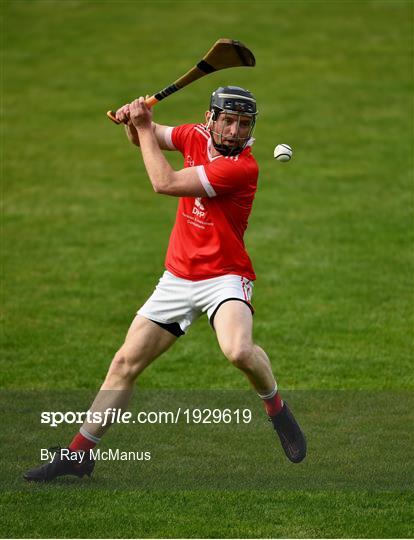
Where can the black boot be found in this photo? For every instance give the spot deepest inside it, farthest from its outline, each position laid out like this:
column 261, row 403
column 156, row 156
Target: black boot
column 290, row 435
column 61, row 465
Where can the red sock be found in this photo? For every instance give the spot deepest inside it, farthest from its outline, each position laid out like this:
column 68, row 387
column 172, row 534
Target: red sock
column 273, row 405
column 80, row 442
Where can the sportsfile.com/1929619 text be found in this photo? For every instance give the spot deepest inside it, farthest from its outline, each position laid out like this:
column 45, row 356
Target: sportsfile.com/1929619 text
column 117, row 416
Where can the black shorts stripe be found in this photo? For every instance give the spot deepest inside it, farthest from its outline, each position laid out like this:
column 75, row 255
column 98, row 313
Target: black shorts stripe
column 174, row 328
column 227, row 300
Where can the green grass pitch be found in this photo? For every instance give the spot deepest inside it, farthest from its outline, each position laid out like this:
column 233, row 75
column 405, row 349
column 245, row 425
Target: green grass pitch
column 331, row 236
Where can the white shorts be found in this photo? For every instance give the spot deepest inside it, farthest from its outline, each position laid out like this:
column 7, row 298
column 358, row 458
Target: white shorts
column 181, row 301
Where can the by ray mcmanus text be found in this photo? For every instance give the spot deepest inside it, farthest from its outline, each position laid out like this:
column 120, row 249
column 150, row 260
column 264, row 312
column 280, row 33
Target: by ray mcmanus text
column 111, row 454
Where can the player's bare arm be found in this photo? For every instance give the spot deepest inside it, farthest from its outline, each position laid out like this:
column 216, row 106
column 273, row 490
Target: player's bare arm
column 123, row 116
column 159, row 132
column 164, row 179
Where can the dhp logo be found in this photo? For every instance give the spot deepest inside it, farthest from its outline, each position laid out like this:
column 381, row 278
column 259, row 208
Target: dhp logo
column 198, row 208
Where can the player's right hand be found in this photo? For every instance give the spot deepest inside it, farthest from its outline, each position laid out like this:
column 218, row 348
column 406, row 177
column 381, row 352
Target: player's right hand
column 123, row 114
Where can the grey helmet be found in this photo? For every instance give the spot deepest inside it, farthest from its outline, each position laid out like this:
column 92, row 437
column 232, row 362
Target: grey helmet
column 234, row 100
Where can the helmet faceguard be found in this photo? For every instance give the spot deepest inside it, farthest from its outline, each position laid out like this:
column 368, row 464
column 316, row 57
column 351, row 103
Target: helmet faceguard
column 231, row 101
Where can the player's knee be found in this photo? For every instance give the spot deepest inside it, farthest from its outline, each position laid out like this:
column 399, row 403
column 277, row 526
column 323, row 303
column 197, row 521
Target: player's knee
column 240, row 355
column 123, row 366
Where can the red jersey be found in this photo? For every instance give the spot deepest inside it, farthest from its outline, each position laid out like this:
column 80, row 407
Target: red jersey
column 207, row 237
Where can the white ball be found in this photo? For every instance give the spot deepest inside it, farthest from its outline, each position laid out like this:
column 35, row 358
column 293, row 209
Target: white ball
column 283, row 152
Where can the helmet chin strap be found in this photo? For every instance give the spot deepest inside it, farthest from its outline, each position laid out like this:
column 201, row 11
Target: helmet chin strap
column 225, row 150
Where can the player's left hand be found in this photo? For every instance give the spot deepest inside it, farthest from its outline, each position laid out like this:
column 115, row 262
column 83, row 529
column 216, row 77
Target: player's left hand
column 140, row 115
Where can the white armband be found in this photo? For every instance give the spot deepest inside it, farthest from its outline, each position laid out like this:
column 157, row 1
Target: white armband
column 205, row 181
column 168, row 138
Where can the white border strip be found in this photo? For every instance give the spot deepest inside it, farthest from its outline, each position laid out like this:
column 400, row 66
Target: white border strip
column 270, row 395
column 168, row 138
column 205, row 181
column 88, row 436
